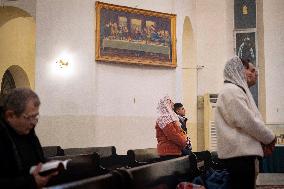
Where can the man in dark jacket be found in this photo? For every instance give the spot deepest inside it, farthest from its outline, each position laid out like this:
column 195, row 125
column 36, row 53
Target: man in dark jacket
column 180, row 111
column 19, row 146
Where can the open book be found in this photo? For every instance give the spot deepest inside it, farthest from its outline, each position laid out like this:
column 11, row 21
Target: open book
column 51, row 166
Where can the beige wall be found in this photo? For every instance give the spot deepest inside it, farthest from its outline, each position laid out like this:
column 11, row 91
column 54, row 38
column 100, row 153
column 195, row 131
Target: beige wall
column 273, row 24
column 83, row 131
column 17, row 44
column 213, row 38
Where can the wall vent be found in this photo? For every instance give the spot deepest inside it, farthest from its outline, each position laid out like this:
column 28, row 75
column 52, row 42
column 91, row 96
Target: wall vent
column 210, row 134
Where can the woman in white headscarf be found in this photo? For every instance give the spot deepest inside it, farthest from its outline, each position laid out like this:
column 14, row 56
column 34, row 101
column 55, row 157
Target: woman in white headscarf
column 171, row 139
column 241, row 131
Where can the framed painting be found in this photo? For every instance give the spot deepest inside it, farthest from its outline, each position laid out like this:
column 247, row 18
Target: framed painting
column 246, row 48
column 246, row 45
column 135, row 36
column 244, row 14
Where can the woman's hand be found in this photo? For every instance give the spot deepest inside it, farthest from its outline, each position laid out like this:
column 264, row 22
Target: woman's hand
column 269, row 148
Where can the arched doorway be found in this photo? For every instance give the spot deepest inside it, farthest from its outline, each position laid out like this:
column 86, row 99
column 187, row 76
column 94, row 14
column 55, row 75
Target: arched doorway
column 189, row 79
column 17, row 47
column 7, row 83
column 13, row 77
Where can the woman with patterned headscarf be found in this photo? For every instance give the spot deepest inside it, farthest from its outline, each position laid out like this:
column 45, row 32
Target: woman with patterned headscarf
column 241, row 131
column 171, row 139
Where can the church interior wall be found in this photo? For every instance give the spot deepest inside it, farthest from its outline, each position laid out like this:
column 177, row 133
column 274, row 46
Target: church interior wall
column 211, row 34
column 101, row 104
column 273, row 18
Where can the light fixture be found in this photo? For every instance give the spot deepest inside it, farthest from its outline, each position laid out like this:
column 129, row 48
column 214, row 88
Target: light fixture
column 62, row 63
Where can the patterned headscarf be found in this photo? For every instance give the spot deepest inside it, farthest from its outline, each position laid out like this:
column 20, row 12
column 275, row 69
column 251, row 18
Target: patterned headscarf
column 234, row 72
column 166, row 114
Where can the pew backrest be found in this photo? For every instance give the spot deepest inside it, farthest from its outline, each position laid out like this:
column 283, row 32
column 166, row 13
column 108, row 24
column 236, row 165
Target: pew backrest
column 168, row 173
column 142, row 156
column 114, row 162
column 79, row 167
column 51, row 151
column 105, row 181
column 102, row 151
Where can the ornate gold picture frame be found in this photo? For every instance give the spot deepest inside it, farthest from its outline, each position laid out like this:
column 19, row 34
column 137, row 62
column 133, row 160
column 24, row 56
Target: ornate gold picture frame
column 135, row 36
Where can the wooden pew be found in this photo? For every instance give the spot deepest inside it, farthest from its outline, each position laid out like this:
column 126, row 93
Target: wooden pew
column 115, row 161
column 79, row 167
column 51, row 151
column 105, row 151
column 204, row 160
column 139, row 157
column 109, row 159
column 215, row 161
column 165, row 174
column 106, row 163
column 106, row 181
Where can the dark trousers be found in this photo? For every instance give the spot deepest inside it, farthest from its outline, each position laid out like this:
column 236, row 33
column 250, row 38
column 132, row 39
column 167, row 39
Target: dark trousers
column 242, row 171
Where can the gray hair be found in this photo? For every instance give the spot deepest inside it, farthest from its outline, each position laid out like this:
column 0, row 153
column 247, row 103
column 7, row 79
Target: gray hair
column 17, row 100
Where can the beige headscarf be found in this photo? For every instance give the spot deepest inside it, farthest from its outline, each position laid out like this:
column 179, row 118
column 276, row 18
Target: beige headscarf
column 234, row 73
column 166, row 114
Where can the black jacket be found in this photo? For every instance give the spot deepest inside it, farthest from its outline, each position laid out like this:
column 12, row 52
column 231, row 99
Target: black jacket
column 183, row 121
column 14, row 173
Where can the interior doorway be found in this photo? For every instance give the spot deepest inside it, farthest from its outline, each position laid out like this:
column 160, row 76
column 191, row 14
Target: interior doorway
column 7, row 83
column 13, row 77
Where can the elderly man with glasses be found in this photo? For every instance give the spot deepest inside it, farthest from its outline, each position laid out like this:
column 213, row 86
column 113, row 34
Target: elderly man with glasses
column 19, row 146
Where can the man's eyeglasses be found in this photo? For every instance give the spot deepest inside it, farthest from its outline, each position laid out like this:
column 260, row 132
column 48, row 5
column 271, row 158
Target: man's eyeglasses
column 31, row 118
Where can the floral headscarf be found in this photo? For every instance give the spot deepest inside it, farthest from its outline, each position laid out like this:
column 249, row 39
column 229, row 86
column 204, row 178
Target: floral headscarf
column 166, row 114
